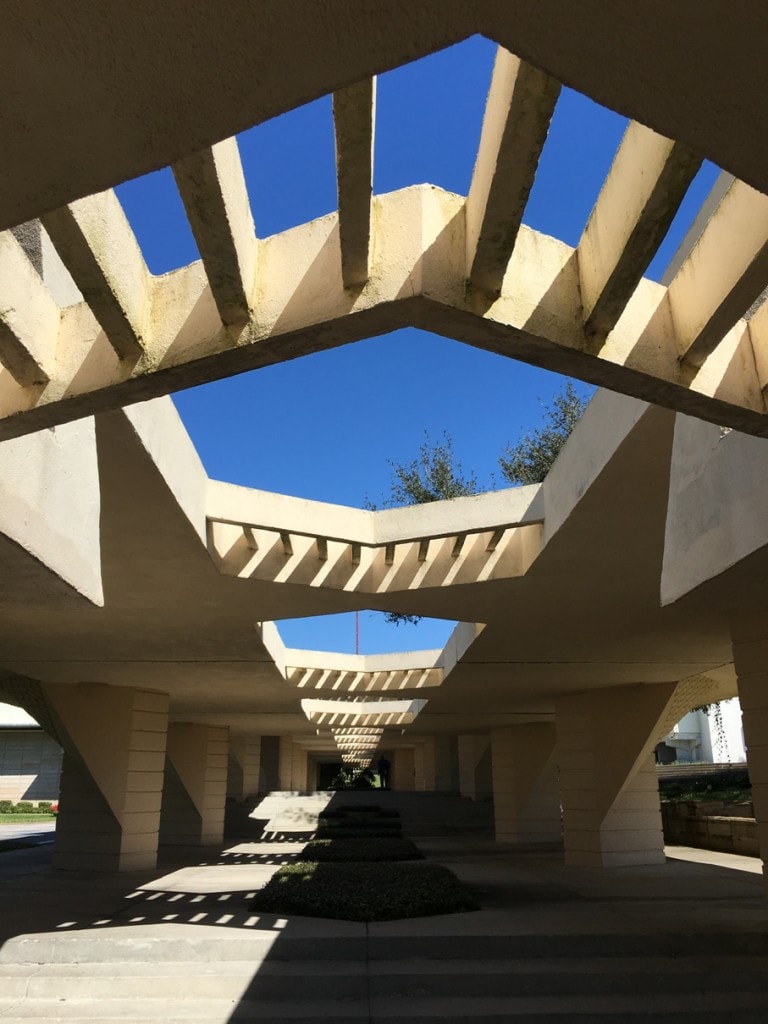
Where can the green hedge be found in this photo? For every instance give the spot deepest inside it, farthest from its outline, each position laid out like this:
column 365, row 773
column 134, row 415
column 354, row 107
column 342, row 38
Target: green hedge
column 353, row 832
column 364, row 892
column 360, row 850
column 25, row 807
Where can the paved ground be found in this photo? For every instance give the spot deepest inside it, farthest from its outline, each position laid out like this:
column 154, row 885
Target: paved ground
column 33, row 832
column 551, row 943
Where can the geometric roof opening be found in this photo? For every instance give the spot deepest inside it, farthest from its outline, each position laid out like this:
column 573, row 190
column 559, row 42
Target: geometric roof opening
column 338, row 633
column 336, row 419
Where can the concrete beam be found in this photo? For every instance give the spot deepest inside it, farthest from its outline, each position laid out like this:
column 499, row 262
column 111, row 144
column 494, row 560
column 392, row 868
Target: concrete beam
column 99, row 249
column 521, row 101
column 354, row 115
column 420, row 280
column 644, row 188
column 212, row 187
column 29, row 317
column 724, row 274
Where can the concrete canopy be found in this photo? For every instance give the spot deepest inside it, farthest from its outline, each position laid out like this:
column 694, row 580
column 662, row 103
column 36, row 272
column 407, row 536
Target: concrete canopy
column 463, row 267
column 584, row 598
column 585, row 612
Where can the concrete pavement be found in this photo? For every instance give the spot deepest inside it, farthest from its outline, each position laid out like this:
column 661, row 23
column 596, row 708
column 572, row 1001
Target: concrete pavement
column 550, row 942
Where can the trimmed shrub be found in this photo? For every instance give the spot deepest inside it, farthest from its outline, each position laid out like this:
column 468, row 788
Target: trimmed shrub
column 6, row 806
column 353, row 810
column 364, row 892
column 354, row 832
column 43, row 807
column 360, row 850
column 24, row 807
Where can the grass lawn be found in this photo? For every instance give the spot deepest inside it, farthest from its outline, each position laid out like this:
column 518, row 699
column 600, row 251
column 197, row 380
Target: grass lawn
column 25, row 819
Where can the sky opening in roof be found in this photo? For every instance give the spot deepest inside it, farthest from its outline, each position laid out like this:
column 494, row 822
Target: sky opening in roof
column 326, row 425
column 581, row 144
column 337, row 633
column 428, row 118
column 155, row 211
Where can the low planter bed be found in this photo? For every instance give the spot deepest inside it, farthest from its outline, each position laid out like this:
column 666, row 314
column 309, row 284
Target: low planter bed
column 364, row 892
column 355, row 832
column 361, row 850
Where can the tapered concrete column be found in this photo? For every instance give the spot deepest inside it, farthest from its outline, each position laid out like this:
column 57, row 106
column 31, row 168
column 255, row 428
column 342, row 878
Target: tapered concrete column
column 293, row 765
column 609, row 792
column 299, row 769
column 446, row 764
column 403, row 768
column 526, row 798
column 112, row 778
column 474, row 766
column 750, row 657
column 244, row 779
column 195, row 787
column 424, row 765
column 270, row 763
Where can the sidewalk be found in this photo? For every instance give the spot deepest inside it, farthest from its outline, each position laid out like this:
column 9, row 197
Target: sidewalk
column 551, row 943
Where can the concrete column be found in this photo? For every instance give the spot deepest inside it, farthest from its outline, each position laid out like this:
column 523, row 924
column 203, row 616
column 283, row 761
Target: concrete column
column 286, row 763
column 403, row 769
column 750, row 657
column 270, row 763
column 526, row 798
column 608, row 787
column 424, row 765
column 299, row 769
column 446, row 764
column 244, row 779
column 114, row 740
column 195, row 787
column 474, row 766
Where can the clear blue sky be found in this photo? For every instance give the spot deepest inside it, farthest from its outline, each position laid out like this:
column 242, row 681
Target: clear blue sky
column 324, row 426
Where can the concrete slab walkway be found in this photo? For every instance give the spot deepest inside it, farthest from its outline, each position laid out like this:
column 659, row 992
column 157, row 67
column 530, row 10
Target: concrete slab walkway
column 550, row 943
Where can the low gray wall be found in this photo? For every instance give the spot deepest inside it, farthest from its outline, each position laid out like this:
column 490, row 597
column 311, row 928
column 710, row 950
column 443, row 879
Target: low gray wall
column 711, row 825
column 30, row 765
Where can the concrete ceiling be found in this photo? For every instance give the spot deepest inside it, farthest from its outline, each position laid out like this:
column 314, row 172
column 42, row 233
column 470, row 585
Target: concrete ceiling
column 99, row 93
column 586, row 614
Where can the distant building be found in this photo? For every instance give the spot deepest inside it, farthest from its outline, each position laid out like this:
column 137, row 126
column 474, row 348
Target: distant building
column 712, row 736
column 30, row 761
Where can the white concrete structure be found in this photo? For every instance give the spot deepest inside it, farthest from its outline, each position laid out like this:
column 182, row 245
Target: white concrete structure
column 713, row 734
column 604, row 603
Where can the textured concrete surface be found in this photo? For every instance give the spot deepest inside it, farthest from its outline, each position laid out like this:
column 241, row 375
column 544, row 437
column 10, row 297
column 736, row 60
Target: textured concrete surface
column 684, row 938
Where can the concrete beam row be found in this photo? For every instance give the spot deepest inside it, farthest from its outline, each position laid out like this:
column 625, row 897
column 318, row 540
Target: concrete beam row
column 406, row 258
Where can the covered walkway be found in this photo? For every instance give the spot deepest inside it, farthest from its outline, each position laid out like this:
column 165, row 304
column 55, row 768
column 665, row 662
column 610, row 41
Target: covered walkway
column 551, row 942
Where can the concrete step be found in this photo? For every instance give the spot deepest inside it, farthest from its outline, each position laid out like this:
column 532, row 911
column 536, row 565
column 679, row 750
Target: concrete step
column 328, row 980
column 542, row 1007
column 142, row 943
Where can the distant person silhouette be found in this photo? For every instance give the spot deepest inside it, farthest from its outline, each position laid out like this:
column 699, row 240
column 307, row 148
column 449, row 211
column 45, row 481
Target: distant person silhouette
column 383, row 770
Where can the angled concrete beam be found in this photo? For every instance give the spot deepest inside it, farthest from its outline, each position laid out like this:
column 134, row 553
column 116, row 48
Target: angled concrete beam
column 99, row 249
column 521, row 101
column 354, row 114
column 212, row 187
column 644, row 188
column 29, row 317
column 725, row 272
column 420, row 281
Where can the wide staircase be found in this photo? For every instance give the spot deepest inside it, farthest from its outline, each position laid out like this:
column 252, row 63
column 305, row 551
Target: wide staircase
column 422, row 814
column 678, row 942
column 382, row 974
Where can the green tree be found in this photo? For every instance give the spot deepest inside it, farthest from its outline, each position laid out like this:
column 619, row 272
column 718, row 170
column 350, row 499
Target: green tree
column 531, row 458
column 436, row 474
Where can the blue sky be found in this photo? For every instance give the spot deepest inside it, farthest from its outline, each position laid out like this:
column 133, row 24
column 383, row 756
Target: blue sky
column 325, row 426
